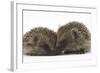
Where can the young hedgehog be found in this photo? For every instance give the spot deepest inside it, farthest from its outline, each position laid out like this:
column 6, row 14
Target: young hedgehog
column 73, row 38
column 39, row 42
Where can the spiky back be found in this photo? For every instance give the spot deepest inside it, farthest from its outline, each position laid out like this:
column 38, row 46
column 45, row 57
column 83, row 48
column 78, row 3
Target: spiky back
column 80, row 26
column 44, row 35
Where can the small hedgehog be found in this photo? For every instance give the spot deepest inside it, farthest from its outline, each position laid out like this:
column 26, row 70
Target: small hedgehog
column 73, row 38
column 39, row 42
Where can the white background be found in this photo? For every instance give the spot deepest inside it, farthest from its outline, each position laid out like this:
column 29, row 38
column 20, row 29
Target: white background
column 5, row 36
column 53, row 20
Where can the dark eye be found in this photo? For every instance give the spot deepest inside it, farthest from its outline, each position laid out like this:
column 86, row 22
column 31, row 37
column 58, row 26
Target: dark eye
column 29, row 44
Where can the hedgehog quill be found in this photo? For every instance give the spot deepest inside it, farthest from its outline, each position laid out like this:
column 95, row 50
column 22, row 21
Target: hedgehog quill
column 71, row 38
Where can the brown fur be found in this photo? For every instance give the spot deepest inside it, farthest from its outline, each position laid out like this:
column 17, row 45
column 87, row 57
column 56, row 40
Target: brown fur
column 39, row 42
column 73, row 38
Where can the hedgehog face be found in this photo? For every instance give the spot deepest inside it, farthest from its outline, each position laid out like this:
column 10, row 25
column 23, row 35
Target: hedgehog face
column 36, row 45
column 72, row 40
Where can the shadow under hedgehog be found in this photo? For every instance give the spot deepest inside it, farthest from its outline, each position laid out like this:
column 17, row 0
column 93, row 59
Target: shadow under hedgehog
column 73, row 38
column 39, row 42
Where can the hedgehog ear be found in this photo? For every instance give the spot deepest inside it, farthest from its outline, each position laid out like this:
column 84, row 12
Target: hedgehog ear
column 75, row 33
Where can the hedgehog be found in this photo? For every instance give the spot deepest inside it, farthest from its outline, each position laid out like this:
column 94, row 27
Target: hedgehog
column 39, row 41
column 73, row 38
